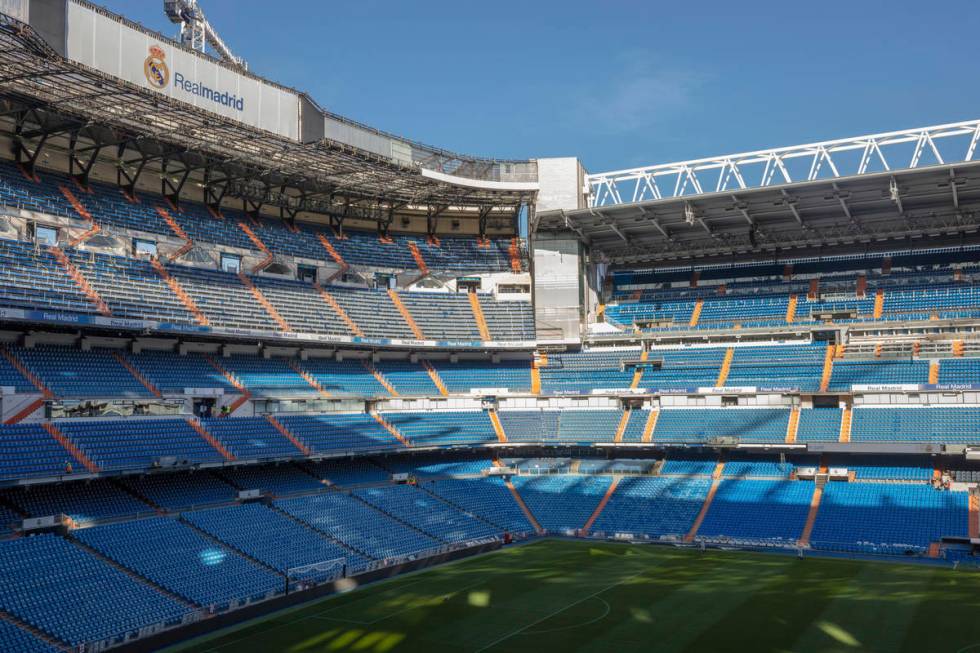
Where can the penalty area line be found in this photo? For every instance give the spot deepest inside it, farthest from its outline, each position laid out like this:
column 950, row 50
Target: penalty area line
column 559, row 611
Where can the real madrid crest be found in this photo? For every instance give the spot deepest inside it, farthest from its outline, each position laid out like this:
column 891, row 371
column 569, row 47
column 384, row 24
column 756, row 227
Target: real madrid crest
column 155, row 68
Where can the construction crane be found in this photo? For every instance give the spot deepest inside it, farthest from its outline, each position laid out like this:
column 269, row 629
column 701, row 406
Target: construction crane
column 196, row 32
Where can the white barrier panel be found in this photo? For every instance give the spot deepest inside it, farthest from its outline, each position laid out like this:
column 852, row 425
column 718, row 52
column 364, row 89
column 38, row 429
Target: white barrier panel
column 147, row 61
column 897, row 387
column 728, row 390
column 502, row 471
column 19, row 9
column 37, row 523
column 204, row 392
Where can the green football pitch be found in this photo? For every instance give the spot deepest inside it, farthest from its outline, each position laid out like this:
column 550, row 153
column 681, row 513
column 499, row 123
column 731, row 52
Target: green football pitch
column 555, row 595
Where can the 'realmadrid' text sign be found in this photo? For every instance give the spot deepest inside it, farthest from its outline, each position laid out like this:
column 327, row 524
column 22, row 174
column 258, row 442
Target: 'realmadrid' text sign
column 146, row 60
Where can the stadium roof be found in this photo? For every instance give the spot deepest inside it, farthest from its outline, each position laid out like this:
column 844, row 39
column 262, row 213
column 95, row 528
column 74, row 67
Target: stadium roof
column 933, row 202
column 62, row 97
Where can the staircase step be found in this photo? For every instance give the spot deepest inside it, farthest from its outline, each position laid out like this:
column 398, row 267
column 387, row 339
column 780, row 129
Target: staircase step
column 602, row 505
column 210, row 439
column 696, row 313
column 332, row 251
column 179, row 291
column 726, row 366
column 323, row 534
column 650, row 426
column 137, row 374
column 40, row 634
column 391, row 429
column 811, row 517
column 76, row 275
column 419, row 261
column 828, row 369
column 265, row 303
column 638, row 372
column 405, row 313
column 211, row 538
column 310, row 379
column 339, row 310
column 379, row 377
column 436, row 379
column 498, row 428
column 460, row 508
column 515, row 256
column 142, row 580
column 523, row 506
column 481, row 320
column 71, row 447
column 398, row 519
column 286, row 433
column 693, row 533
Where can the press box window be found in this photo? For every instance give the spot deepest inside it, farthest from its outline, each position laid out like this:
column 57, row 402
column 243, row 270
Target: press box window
column 306, row 273
column 231, row 263
column 45, row 235
column 145, row 247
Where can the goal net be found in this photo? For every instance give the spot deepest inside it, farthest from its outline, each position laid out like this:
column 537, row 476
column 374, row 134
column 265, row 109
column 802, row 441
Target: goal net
column 317, row 572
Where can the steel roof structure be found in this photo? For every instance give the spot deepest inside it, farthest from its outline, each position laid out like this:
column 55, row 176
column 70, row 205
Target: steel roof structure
column 844, row 157
column 43, row 95
column 940, row 200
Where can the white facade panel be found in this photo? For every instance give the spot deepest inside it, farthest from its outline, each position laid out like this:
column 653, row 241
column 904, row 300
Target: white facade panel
column 557, row 288
column 358, row 137
column 19, row 9
column 142, row 59
column 561, row 181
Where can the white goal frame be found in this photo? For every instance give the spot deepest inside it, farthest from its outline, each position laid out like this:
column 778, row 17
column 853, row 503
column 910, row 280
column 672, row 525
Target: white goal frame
column 317, row 572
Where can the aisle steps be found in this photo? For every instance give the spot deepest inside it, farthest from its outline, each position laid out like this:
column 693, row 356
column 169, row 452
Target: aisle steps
column 602, row 505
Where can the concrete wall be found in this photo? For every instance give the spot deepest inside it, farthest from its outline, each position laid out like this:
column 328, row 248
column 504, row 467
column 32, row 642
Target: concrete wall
column 560, row 184
column 558, row 287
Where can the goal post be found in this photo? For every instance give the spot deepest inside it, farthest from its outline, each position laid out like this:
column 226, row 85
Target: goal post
column 315, row 573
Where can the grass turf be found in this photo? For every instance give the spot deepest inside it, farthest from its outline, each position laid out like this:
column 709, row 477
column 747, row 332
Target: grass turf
column 585, row 596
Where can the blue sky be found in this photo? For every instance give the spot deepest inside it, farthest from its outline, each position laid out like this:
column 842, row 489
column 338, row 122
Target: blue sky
column 618, row 84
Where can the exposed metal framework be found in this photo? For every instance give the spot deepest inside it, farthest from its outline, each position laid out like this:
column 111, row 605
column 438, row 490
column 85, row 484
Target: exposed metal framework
column 845, row 157
column 923, row 205
column 43, row 96
column 196, row 32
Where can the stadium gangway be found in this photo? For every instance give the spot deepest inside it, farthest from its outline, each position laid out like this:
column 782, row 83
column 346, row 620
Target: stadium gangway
column 846, row 157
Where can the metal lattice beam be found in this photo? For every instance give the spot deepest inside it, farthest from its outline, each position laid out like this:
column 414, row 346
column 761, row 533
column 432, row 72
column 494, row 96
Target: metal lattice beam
column 846, row 157
column 35, row 77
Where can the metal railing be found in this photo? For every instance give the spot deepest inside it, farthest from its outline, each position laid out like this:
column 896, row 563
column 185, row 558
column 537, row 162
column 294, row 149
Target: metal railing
column 845, row 157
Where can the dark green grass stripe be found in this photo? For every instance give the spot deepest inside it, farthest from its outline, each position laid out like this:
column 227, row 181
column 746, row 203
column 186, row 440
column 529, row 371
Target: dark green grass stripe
column 947, row 618
column 592, row 597
column 885, row 600
column 703, row 589
column 579, row 611
column 780, row 608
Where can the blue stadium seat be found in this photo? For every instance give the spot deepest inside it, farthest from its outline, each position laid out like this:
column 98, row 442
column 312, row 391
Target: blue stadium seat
column 181, row 560
column 77, row 597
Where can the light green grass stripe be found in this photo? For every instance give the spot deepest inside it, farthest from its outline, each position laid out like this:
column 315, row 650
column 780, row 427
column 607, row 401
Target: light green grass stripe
column 886, row 601
column 579, row 596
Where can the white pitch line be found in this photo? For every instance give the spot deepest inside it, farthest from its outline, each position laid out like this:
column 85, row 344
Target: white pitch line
column 366, row 597
column 320, row 616
column 573, row 626
column 415, row 607
column 558, row 611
